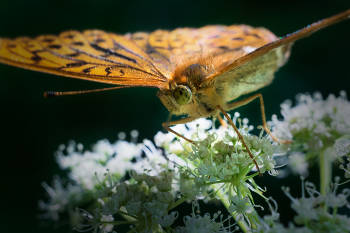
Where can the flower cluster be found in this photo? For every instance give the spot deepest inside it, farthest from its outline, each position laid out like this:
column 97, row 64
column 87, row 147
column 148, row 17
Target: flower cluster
column 62, row 198
column 198, row 224
column 196, row 171
column 312, row 214
column 98, row 223
column 343, row 148
column 84, row 164
column 314, row 124
column 219, row 161
column 146, row 201
column 145, row 182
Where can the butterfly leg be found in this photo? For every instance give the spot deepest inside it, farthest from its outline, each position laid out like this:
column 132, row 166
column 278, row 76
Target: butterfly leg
column 222, row 122
column 218, row 107
column 237, row 104
column 177, row 122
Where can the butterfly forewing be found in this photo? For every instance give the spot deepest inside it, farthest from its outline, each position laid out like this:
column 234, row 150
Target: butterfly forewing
column 139, row 59
column 80, row 58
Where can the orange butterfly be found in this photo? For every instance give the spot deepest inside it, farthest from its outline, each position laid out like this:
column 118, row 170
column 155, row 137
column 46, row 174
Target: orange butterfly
column 197, row 71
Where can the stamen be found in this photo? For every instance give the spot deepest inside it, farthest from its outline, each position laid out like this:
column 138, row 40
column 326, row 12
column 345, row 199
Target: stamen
column 121, row 136
column 134, row 134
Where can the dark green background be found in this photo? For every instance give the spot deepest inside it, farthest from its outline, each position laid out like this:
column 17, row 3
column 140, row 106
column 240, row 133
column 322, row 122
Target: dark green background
column 32, row 127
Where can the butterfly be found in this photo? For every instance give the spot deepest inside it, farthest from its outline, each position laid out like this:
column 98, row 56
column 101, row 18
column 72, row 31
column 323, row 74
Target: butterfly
column 198, row 72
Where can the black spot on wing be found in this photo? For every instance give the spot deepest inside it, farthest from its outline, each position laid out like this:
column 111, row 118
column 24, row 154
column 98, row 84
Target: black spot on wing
column 238, row 38
column 223, row 47
column 108, row 70
column 47, row 40
column 79, row 43
column 252, row 34
column 36, row 58
column 121, row 72
column 235, row 49
column 110, row 52
column 54, row 46
column 99, row 40
column 77, row 64
column 73, row 54
column 150, row 50
column 87, row 70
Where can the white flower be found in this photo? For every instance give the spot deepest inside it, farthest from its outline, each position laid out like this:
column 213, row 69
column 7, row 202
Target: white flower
column 199, row 224
column 105, row 227
column 313, row 209
column 274, row 214
column 205, row 224
column 241, row 207
column 343, row 148
column 314, row 124
column 157, row 208
column 163, row 139
column 60, row 198
column 133, row 207
column 104, row 155
column 222, row 159
column 333, row 200
column 127, row 150
column 103, row 147
column 298, row 164
column 164, row 181
column 154, row 161
column 167, row 220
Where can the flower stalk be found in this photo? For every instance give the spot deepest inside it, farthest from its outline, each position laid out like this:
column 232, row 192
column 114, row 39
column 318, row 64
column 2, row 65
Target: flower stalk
column 325, row 171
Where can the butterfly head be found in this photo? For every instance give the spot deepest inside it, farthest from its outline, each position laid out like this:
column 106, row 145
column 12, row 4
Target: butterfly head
column 186, row 96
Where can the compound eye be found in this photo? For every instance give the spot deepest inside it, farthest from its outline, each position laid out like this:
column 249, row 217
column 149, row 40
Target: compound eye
column 182, row 94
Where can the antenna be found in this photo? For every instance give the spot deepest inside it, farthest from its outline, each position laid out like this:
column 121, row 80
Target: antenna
column 49, row 94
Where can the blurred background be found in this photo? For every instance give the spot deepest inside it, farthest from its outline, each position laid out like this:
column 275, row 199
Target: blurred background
column 33, row 127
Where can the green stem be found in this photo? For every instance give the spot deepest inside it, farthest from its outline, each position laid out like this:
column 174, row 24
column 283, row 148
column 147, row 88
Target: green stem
column 224, row 199
column 251, row 176
column 178, row 202
column 253, row 219
column 325, row 173
column 124, row 213
column 217, row 182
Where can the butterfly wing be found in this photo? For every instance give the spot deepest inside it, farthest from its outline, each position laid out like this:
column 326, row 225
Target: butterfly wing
column 138, row 59
column 91, row 55
column 166, row 49
column 256, row 69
